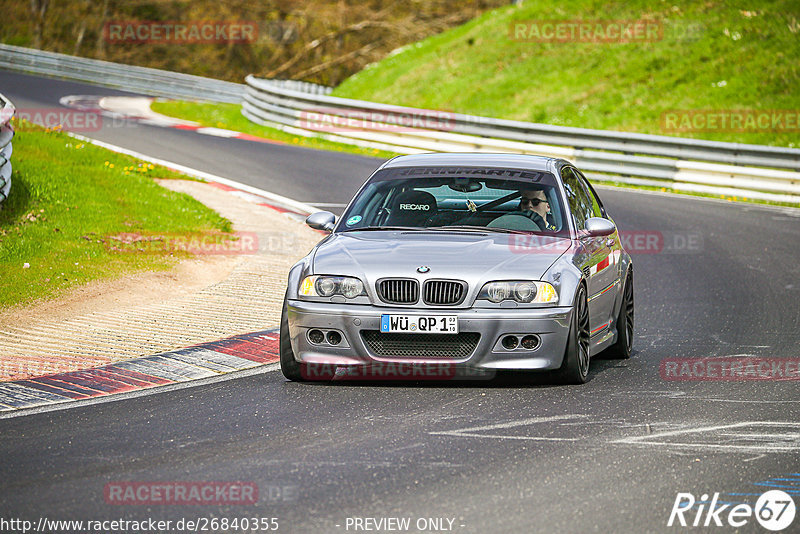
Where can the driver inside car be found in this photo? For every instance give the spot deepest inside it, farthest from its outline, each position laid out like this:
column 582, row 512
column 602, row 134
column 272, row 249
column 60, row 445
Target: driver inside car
column 531, row 214
column 534, row 205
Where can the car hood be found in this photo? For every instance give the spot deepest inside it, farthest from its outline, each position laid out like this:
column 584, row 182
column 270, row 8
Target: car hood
column 473, row 257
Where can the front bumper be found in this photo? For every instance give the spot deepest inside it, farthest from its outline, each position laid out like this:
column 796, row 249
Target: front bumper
column 551, row 325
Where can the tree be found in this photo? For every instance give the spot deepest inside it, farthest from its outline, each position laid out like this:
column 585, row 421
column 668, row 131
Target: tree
column 38, row 12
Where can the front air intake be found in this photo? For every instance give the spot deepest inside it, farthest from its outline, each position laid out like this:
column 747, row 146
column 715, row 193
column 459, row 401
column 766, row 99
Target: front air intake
column 443, row 292
column 398, row 290
column 424, row 346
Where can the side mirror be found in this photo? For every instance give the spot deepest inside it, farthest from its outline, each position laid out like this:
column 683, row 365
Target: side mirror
column 321, row 220
column 599, row 227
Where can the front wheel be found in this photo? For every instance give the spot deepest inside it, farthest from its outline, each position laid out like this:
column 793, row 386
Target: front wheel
column 290, row 367
column 575, row 369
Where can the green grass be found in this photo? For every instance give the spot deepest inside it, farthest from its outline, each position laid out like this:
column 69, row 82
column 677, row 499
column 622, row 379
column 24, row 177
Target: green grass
column 229, row 116
column 67, row 199
column 714, row 55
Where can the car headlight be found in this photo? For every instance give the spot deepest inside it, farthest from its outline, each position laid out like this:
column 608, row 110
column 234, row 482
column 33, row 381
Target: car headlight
column 328, row 286
column 524, row 291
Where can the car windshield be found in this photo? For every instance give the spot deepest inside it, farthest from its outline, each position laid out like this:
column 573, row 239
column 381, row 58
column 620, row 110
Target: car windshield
column 458, row 199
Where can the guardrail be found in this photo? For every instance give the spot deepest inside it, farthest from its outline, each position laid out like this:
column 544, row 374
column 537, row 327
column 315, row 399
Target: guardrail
column 145, row 80
column 135, row 79
column 127, row 77
column 731, row 169
column 7, row 111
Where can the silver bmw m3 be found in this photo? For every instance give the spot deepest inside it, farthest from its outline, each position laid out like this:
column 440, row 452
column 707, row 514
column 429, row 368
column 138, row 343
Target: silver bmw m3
column 486, row 262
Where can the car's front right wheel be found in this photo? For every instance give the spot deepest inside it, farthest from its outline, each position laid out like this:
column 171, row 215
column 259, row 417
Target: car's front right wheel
column 575, row 368
column 290, row 367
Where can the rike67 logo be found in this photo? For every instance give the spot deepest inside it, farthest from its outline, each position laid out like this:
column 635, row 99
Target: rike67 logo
column 774, row 510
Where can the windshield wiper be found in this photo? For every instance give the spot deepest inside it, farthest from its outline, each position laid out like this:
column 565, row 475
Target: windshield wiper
column 466, row 227
column 388, row 228
column 469, row 227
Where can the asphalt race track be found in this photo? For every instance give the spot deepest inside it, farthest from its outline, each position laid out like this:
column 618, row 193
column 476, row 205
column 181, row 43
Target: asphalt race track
column 284, row 169
column 509, row 455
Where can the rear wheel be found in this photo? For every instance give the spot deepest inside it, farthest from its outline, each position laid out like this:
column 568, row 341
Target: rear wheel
column 575, row 368
column 621, row 349
column 291, row 368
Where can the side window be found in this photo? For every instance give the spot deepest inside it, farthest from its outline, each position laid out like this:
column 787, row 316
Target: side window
column 597, row 206
column 579, row 204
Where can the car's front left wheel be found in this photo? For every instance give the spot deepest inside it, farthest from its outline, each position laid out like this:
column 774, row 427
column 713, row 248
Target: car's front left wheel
column 575, row 368
column 622, row 347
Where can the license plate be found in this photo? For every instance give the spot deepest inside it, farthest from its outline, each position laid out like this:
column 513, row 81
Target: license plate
column 420, row 324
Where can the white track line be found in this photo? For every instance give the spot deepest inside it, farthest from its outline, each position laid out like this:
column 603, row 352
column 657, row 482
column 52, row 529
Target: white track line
column 472, row 432
column 278, row 199
column 651, row 439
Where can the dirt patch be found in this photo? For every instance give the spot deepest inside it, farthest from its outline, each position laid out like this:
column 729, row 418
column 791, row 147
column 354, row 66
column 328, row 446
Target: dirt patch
column 134, row 290
column 202, row 299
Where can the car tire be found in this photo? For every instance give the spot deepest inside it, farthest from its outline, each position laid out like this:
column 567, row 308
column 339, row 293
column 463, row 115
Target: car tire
column 291, row 368
column 575, row 367
column 622, row 347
